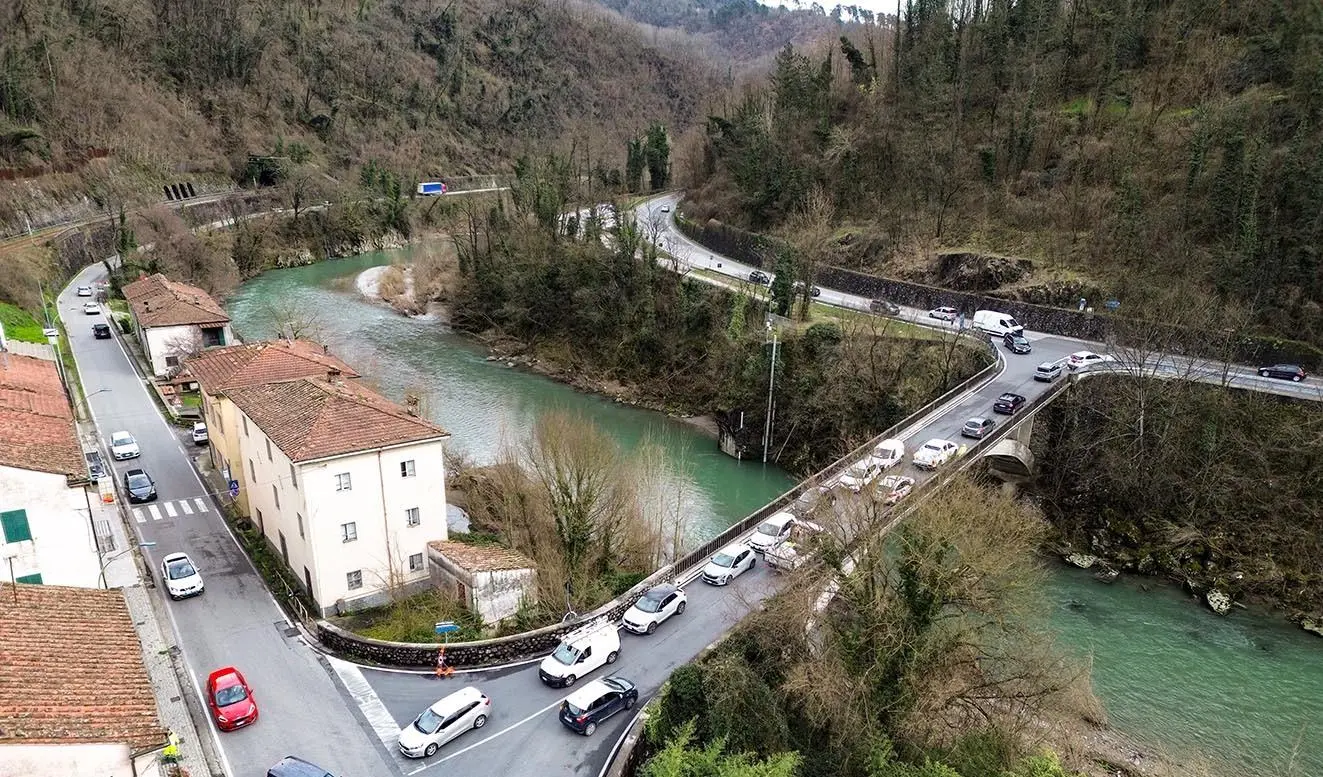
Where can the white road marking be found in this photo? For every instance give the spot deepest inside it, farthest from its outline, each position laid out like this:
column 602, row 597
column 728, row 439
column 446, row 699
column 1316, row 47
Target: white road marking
column 138, row 516
column 482, row 742
column 188, row 510
column 170, row 509
column 156, row 513
column 202, row 506
column 368, row 701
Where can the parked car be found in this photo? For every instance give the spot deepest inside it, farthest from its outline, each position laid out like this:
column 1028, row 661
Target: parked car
column 84, row 291
column 995, row 324
column 759, row 277
column 666, row 209
column 977, row 428
column 587, row 707
column 814, row 291
column 123, row 446
column 91, row 309
column 230, row 699
column 101, row 331
column 883, row 307
column 140, row 486
column 292, row 766
column 934, row 453
column 944, row 314
column 729, row 563
column 1047, row 371
column 1284, row 372
column 199, row 433
column 180, row 576
column 808, row 502
column 96, row 466
column 464, row 710
column 894, row 488
column 772, row 532
column 1016, row 343
column 1009, row 403
column 581, row 651
column 653, row 607
column 860, row 474
column 790, row 554
column 1081, row 359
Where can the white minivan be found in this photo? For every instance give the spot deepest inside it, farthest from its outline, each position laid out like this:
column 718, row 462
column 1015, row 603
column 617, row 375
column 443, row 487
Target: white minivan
column 996, row 324
column 580, row 652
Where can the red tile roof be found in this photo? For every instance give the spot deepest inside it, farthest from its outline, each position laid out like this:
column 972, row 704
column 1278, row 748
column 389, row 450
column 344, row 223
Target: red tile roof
column 71, row 670
column 313, row 418
column 36, row 424
column 482, row 558
column 273, row 361
column 158, row 301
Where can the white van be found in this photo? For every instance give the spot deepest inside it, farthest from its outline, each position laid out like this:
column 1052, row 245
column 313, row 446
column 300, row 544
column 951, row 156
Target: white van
column 580, row 652
column 996, row 324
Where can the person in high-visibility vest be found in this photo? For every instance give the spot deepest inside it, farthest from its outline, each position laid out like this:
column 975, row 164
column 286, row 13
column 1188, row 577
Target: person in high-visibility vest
column 442, row 670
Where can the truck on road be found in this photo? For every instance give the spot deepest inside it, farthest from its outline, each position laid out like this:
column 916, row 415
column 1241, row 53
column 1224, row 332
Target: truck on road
column 788, row 556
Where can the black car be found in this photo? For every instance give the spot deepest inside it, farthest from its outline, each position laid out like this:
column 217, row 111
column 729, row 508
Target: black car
column 1008, row 403
column 101, row 331
column 96, row 466
column 883, row 307
column 1284, row 372
column 140, row 486
column 759, row 277
column 813, row 290
column 1017, row 343
column 587, row 707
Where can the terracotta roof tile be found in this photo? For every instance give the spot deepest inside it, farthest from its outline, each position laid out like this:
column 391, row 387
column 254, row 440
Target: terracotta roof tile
column 36, row 424
column 158, row 301
column 270, row 361
column 312, row 418
column 71, row 670
column 482, row 558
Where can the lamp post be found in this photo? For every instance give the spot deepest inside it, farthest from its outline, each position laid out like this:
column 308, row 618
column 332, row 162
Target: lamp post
column 101, row 578
column 771, row 385
column 10, row 555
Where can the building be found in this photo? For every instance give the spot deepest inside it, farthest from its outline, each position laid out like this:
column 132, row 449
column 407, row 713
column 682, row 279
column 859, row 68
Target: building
column 348, row 486
column 46, row 532
column 220, row 369
column 76, row 698
column 174, row 320
column 488, row 579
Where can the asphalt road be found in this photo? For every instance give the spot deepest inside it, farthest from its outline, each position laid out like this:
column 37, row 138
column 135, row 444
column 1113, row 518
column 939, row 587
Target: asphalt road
column 303, row 710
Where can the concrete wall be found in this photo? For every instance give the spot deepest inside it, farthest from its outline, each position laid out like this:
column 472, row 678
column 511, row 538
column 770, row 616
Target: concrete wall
column 102, row 760
column 495, row 595
column 162, row 342
column 63, row 546
column 223, row 432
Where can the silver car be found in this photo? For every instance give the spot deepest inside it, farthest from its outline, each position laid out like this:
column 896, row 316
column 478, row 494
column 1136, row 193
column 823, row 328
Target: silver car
column 464, row 710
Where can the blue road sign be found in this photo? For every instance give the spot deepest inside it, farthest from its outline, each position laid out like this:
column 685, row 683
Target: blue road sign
column 446, row 627
column 1112, row 304
column 234, row 488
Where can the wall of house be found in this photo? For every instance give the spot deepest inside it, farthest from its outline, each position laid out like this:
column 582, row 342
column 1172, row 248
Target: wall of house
column 63, row 548
column 163, row 341
column 102, row 760
column 495, row 595
column 223, row 431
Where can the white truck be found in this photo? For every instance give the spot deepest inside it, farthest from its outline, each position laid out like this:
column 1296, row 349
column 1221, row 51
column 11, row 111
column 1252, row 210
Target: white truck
column 787, row 556
column 996, row 324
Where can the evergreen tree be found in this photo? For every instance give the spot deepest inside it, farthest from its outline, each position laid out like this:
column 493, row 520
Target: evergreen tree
column 635, row 159
column 658, row 155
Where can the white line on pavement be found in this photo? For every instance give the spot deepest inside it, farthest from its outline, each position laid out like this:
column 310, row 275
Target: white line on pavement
column 170, row 509
column 155, row 511
column 482, row 742
column 201, row 503
column 138, row 516
column 368, row 700
column 188, row 510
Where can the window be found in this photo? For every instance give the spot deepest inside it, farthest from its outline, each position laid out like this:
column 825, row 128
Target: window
column 260, row 524
column 407, row 469
column 14, row 523
column 354, row 579
column 300, row 517
column 342, row 482
column 252, row 470
column 29, row 579
column 268, row 449
column 245, row 425
column 275, row 493
column 411, row 516
column 172, row 361
column 416, row 562
column 293, row 476
column 348, row 531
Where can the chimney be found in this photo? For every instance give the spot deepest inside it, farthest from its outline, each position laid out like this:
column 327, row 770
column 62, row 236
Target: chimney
column 333, row 375
column 411, row 403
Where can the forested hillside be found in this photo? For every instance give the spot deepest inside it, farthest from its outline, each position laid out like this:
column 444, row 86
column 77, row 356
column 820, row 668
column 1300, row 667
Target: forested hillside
column 1165, row 154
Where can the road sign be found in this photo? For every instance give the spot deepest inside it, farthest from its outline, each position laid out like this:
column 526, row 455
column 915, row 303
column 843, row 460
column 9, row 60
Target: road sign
column 234, row 488
column 446, row 627
column 1112, row 304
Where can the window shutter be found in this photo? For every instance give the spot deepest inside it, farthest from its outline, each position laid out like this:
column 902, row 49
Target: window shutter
column 15, row 525
column 32, row 579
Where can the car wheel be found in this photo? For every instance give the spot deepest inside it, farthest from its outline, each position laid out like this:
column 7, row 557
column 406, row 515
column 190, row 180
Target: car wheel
column 680, row 610
column 629, row 702
column 589, row 729
column 652, row 627
column 569, row 680
column 480, row 721
column 612, row 656
column 430, row 751
column 753, row 562
column 1295, row 378
column 1263, row 373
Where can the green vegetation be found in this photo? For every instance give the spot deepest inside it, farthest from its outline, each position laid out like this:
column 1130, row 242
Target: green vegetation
column 20, row 325
column 413, row 619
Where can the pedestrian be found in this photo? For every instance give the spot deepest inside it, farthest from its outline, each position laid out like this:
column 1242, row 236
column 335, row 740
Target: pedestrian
column 442, row 670
column 1083, row 302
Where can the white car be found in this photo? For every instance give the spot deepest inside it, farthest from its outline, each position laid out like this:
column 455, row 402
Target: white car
column 729, row 563
column 935, row 453
column 199, row 433
column 1081, row 359
column 889, row 453
column 123, row 446
column 581, row 651
column 666, row 209
column 181, row 576
column 944, row 314
column 860, row 474
column 653, row 607
column 895, row 488
column 84, row 291
column 772, row 532
column 464, row 710
column 91, row 309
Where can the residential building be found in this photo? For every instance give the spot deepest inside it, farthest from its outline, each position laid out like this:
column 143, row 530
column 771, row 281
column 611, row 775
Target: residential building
column 76, row 698
column 174, row 320
column 488, row 579
column 348, row 486
column 46, row 532
column 220, row 369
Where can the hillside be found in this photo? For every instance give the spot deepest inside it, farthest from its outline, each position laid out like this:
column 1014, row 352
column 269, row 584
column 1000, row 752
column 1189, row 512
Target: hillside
column 1167, row 155
column 103, row 101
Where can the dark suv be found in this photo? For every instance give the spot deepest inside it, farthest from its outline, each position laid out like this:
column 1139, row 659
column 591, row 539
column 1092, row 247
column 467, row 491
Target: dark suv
column 1008, row 403
column 290, row 766
column 101, row 331
column 587, row 707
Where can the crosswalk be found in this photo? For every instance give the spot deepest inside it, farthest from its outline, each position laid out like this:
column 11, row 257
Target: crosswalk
column 171, row 509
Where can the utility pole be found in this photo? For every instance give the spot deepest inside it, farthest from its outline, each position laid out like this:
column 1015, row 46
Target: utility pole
column 771, row 386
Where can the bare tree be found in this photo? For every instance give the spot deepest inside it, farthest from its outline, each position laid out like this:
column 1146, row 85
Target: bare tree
column 290, row 321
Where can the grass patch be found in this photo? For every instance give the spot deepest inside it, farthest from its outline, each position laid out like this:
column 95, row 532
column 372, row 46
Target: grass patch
column 414, row 619
column 192, row 399
column 20, row 325
column 119, row 306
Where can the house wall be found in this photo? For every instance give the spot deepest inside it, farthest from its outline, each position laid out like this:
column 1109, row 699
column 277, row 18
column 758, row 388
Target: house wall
column 63, row 548
column 163, row 341
column 223, row 432
column 102, row 760
column 376, row 503
column 495, row 595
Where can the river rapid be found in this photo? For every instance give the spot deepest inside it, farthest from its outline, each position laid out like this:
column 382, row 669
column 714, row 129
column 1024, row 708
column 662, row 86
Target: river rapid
column 1240, row 695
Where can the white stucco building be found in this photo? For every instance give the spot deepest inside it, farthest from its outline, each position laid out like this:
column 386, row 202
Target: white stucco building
column 490, row 580
column 174, row 320
column 347, row 486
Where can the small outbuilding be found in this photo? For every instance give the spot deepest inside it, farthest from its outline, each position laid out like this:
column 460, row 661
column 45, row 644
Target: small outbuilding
column 490, row 580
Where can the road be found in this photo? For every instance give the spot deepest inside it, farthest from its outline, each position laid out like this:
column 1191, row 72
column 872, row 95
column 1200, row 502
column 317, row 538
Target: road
column 303, row 710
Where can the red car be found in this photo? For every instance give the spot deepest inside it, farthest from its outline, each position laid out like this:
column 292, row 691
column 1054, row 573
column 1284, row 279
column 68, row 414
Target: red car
column 230, row 699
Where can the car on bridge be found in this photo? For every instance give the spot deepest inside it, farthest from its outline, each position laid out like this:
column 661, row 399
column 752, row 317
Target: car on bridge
column 587, row 707
column 123, row 446
column 889, row 453
column 580, row 652
column 729, row 563
column 140, row 486
column 1047, row 371
column 790, row 554
column 1284, row 372
column 895, row 488
column 944, row 314
column 230, row 699
column 464, row 710
column 860, row 474
column 934, row 453
column 772, row 532
column 1008, row 403
column 653, row 607
column 1082, row 359
column 977, row 428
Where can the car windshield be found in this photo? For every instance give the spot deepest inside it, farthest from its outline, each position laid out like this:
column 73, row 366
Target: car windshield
column 139, row 481
column 723, row 560
column 121, row 439
column 232, row 694
column 428, row 722
column 651, row 601
column 178, row 570
column 858, row 470
column 566, row 654
column 930, row 448
column 770, row 528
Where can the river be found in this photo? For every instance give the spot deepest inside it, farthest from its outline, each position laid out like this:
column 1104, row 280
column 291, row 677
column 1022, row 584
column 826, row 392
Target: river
column 1244, row 693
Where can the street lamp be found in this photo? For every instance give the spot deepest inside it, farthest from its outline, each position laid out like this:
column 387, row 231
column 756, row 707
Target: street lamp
column 101, row 578
column 771, row 386
column 10, row 555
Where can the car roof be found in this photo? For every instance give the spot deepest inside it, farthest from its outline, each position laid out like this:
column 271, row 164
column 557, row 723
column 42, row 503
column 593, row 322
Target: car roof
column 130, row 473
column 1009, row 395
column 585, row 696
column 293, row 766
column 938, row 442
column 1049, row 366
column 733, row 549
column 1084, row 353
column 449, row 704
column 783, row 517
column 661, row 590
column 176, row 557
column 221, row 674
column 120, row 433
column 978, row 419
